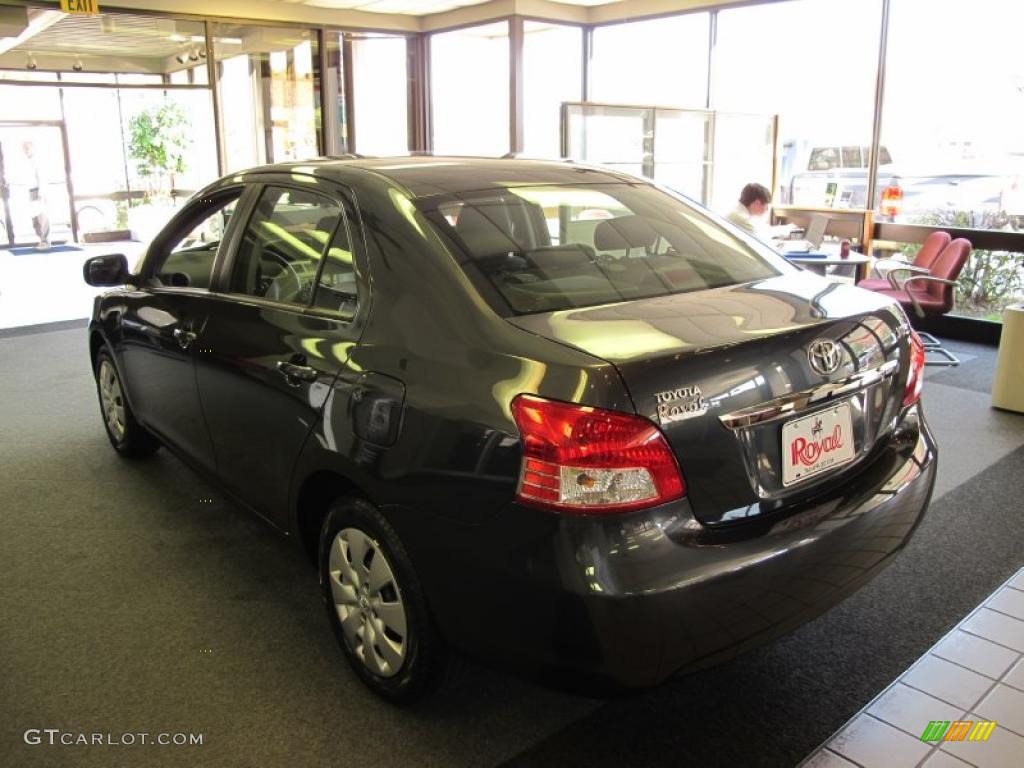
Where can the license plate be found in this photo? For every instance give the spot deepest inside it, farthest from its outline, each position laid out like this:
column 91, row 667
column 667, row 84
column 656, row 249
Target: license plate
column 813, row 444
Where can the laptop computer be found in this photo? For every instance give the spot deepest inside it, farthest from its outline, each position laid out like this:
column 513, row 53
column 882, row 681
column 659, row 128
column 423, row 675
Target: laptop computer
column 812, row 238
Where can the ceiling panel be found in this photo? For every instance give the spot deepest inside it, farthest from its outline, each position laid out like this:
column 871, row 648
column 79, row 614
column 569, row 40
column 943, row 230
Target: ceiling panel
column 113, row 35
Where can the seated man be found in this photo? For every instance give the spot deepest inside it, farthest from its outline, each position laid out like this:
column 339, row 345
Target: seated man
column 750, row 214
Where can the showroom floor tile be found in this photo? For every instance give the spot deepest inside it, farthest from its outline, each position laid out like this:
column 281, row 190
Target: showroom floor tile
column 975, row 674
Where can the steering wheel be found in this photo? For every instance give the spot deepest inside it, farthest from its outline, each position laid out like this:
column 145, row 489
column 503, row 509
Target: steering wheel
column 284, row 284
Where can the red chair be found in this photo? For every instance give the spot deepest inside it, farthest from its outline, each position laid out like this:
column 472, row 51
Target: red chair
column 930, row 295
column 930, row 250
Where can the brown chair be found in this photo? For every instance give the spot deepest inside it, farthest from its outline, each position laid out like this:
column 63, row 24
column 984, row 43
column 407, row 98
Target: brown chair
column 931, row 248
column 931, row 295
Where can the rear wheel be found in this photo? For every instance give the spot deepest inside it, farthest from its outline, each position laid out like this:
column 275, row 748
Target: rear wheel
column 376, row 606
column 128, row 437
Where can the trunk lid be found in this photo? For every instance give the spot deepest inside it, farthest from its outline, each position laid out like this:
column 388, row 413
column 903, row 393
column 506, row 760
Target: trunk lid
column 722, row 371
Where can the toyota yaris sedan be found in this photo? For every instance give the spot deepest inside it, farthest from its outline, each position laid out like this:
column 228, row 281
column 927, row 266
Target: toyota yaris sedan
column 545, row 415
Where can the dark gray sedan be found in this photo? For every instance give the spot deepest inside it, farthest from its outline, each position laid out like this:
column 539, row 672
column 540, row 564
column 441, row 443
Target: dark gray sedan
column 547, row 415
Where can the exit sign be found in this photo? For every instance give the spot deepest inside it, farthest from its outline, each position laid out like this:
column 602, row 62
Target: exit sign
column 80, row 6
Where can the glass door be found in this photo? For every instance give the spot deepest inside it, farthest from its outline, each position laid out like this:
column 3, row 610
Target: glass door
column 36, row 203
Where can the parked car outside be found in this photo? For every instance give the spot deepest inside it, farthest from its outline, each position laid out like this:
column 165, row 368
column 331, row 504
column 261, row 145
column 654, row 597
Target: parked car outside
column 836, row 176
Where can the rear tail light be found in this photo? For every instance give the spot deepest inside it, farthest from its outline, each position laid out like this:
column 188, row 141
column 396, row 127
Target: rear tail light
column 915, row 374
column 589, row 460
column 891, row 203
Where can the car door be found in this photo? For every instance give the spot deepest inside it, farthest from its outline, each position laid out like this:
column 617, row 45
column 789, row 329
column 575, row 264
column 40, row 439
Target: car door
column 161, row 321
column 287, row 312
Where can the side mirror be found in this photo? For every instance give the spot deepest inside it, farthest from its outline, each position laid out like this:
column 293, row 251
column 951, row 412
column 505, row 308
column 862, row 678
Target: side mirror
column 106, row 271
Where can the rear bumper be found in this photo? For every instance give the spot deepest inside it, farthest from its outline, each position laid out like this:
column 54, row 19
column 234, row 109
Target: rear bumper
column 631, row 600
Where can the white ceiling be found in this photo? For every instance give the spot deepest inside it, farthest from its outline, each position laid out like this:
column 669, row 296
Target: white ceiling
column 421, row 7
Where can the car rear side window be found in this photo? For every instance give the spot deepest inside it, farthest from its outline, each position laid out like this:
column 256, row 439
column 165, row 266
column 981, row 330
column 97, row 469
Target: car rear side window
column 550, row 248
column 283, row 244
column 824, row 159
column 336, row 288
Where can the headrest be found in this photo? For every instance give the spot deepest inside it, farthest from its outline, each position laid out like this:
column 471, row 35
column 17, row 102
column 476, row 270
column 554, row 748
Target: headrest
column 479, row 229
column 326, row 224
column 622, row 233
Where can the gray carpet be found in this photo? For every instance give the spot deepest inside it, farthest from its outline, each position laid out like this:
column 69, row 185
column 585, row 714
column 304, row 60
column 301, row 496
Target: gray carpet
column 32, row 330
column 129, row 603
column 976, row 371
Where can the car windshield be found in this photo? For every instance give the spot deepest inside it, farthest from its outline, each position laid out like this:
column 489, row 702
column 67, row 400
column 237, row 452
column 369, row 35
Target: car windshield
column 549, row 248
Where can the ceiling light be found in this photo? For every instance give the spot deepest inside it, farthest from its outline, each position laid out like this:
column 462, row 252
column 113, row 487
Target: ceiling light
column 30, row 62
column 77, row 66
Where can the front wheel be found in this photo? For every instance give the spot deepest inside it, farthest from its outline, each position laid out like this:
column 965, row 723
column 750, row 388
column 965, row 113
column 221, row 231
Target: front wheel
column 376, row 606
column 128, row 437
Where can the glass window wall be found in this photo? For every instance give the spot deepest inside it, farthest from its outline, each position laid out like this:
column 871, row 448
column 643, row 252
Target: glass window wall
column 822, row 89
column 552, row 74
column 469, row 78
column 266, row 89
column 661, row 62
column 380, row 93
column 102, row 140
column 952, row 124
column 81, row 97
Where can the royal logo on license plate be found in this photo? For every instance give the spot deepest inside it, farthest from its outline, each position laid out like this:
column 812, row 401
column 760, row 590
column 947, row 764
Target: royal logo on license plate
column 816, row 443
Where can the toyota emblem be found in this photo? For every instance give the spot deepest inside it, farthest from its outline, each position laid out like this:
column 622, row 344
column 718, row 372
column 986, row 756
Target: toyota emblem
column 825, row 356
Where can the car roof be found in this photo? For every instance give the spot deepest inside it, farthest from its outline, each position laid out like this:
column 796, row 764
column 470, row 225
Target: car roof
column 425, row 175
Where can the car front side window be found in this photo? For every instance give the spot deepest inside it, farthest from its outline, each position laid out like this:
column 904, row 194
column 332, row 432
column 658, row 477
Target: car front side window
column 283, row 245
column 187, row 260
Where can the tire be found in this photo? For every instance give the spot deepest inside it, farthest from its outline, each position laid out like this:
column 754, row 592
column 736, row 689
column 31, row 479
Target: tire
column 129, row 438
column 406, row 658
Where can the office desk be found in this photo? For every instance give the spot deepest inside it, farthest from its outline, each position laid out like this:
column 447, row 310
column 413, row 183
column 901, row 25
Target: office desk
column 818, row 263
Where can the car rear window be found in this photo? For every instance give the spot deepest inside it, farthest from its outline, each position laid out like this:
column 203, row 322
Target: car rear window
column 549, row 248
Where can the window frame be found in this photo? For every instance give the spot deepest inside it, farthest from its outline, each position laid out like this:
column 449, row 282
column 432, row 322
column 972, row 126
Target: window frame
column 338, row 194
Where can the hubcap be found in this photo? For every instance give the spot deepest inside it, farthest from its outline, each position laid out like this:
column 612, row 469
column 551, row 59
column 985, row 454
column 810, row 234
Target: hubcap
column 368, row 602
column 112, row 400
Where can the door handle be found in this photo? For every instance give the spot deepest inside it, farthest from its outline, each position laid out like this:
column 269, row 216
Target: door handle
column 183, row 337
column 295, row 373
